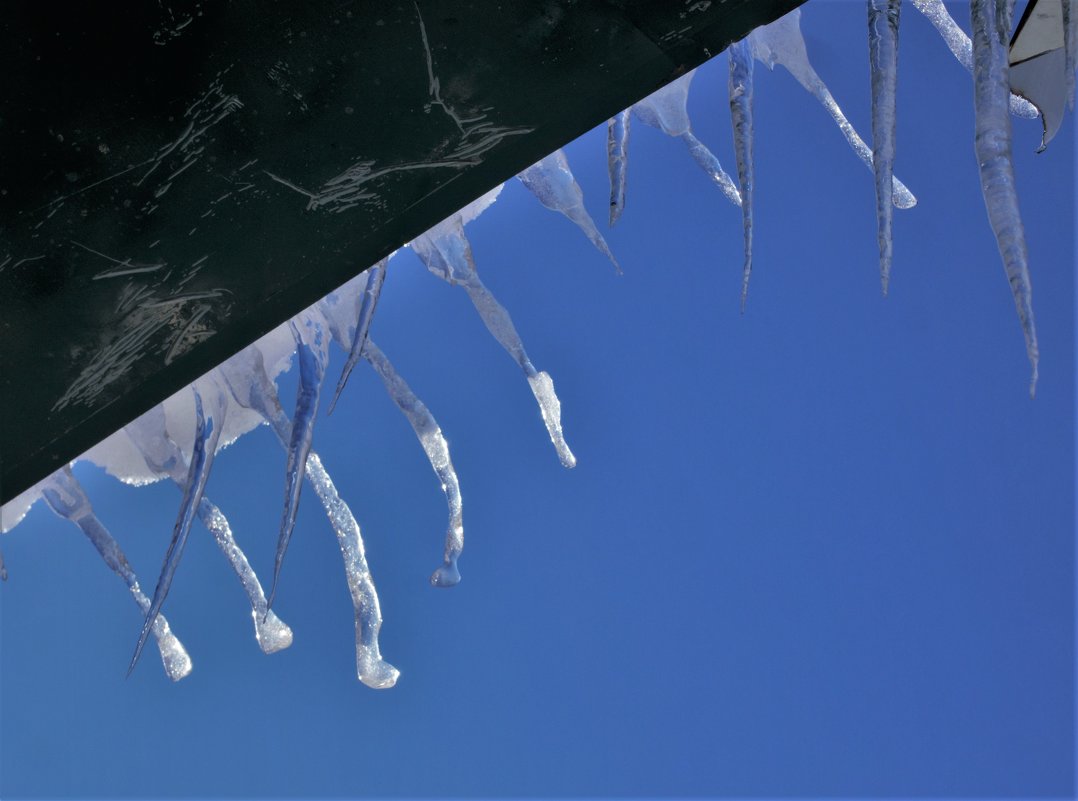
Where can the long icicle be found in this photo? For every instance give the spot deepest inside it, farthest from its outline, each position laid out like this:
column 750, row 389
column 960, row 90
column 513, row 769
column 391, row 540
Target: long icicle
column 883, row 19
column 66, row 497
column 617, row 161
column 1070, row 46
column 991, row 20
column 246, row 376
column 437, row 449
column 163, row 456
column 740, row 88
column 312, row 351
column 446, row 252
column 552, row 182
column 962, row 48
column 207, row 435
column 376, row 276
column 781, row 42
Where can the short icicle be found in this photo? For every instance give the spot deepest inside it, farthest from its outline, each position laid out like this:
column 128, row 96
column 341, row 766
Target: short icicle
column 252, row 387
column 435, row 446
column 446, row 252
column 740, row 86
column 207, row 435
column 552, row 182
column 150, row 435
column 781, row 42
column 372, row 290
column 883, row 19
column 991, row 21
column 312, row 353
column 617, row 161
column 66, row 497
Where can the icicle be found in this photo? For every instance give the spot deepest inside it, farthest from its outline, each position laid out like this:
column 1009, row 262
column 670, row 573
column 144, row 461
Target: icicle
column 740, row 91
column 781, row 42
column 66, row 497
column 962, row 48
column 312, row 353
column 446, row 252
column 617, row 161
column 991, row 21
column 3, row 568
column 883, row 18
column 437, row 449
column 1070, row 47
column 667, row 109
column 552, row 182
column 246, row 376
column 375, row 277
column 207, row 435
column 163, row 456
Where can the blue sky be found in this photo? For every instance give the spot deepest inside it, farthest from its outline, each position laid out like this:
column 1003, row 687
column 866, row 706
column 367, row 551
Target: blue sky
column 823, row 549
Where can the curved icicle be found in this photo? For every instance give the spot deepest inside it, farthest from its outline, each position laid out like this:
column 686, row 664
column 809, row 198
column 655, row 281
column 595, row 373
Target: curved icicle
column 376, row 276
column 66, row 497
column 312, row 352
column 740, row 88
column 617, row 161
column 667, row 109
column 552, row 182
column 163, row 456
column 437, row 449
column 207, row 435
column 445, row 250
column 781, row 42
column 883, row 19
column 962, row 48
column 991, row 21
column 246, row 376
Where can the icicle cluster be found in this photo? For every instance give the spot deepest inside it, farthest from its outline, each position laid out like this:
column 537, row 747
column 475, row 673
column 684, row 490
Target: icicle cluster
column 178, row 439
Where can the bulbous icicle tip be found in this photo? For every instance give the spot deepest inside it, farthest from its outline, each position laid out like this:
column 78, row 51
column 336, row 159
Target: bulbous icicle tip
column 447, row 575
column 272, row 633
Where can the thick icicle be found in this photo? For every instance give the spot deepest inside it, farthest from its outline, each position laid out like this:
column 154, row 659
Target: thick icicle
column 207, row 435
column 163, row 456
column 437, row 449
column 617, row 161
column 65, row 496
column 740, row 91
column 991, row 21
column 246, row 376
column 446, row 252
column 883, row 18
column 962, row 48
column 668, row 110
column 552, row 182
column 781, row 42
column 312, row 353
column 372, row 290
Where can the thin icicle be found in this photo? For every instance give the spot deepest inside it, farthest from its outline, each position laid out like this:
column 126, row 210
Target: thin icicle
column 246, row 376
column 1070, row 46
column 883, row 19
column 552, row 182
column 446, row 252
column 617, row 161
column 3, row 568
column 164, row 457
column 962, row 48
column 740, row 86
column 207, row 435
column 66, row 497
column 312, row 353
column 375, row 276
column 781, row 42
column 991, row 20
column 437, row 449
column 668, row 110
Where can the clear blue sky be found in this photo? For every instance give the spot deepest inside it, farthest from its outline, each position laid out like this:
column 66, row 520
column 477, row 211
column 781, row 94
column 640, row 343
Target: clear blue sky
column 823, row 549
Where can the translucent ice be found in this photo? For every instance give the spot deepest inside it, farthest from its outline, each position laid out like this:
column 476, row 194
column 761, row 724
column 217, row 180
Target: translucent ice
column 617, row 161
column 740, row 91
column 883, row 18
column 65, row 496
column 991, row 20
column 373, row 279
column 781, row 42
column 552, row 182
